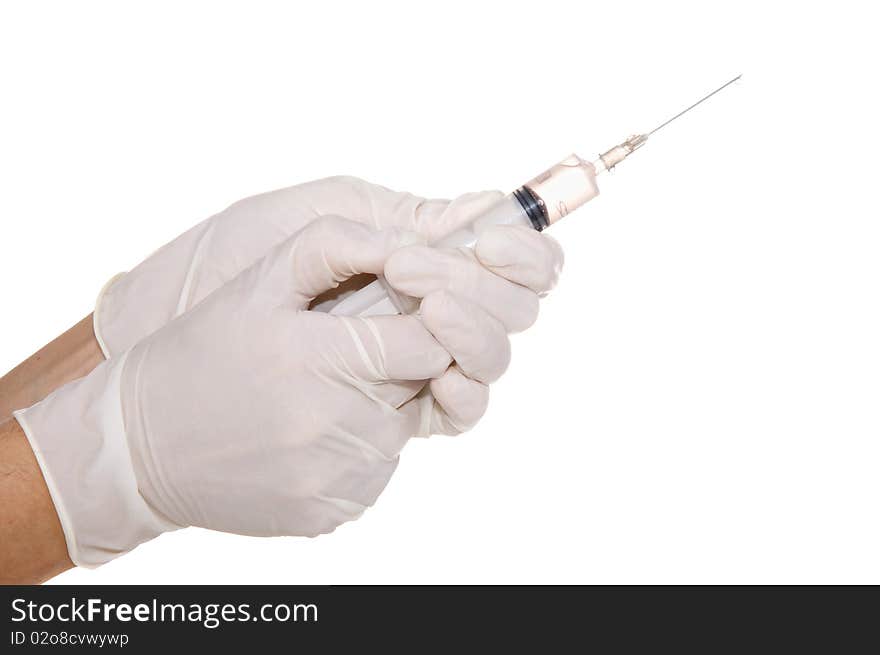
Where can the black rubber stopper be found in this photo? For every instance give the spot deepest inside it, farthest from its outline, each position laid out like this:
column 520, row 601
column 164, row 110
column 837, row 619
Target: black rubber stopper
column 533, row 206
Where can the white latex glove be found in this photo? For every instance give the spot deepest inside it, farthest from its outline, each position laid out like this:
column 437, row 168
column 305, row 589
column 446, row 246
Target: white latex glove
column 471, row 300
column 250, row 413
column 181, row 273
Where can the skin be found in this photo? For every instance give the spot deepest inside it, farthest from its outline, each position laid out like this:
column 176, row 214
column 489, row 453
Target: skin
column 70, row 356
column 32, row 546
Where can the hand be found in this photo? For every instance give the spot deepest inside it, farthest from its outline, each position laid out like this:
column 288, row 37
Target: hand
column 186, row 270
column 250, row 413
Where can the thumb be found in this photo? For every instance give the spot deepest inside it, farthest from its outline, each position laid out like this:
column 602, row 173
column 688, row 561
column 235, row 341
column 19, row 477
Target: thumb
column 331, row 249
column 439, row 218
column 380, row 207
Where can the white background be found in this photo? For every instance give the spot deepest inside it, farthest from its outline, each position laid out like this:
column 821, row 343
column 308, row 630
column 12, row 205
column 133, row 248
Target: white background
column 698, row 401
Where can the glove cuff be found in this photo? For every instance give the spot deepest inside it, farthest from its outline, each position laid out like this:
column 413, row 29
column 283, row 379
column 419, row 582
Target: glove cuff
column 78, row 438
column 98, row 315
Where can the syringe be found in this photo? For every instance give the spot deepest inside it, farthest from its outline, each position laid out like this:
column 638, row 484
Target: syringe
column 539, row 203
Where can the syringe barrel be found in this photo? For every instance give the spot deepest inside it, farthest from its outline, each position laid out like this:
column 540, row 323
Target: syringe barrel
column 537, row 204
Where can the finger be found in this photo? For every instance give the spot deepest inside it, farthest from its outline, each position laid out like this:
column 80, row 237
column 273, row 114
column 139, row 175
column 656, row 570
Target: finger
column 331, row 250
column 355, row 199
column 383, row 348
column 459, row 402
column 521, row 255
column 437, row 219
column 362, row 487
column 420, row 271
column 355, row 472
column 370, row 204
column 476, row 341
column 372, row 433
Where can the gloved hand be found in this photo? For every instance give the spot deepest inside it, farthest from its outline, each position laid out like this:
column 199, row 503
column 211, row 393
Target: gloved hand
column 251, row 414
column 181, row 273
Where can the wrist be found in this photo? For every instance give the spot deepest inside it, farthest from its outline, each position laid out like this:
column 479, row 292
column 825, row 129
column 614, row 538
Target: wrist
column 33, row 547
column 78, row 439
column 69, row 357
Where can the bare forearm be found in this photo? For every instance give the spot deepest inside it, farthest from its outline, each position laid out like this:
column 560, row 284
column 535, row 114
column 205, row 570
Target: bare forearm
column 32, row 546
column 72, row 355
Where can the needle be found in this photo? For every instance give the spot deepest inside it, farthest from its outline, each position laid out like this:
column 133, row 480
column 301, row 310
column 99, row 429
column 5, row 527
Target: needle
column 608, row 160
column 703, row 99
